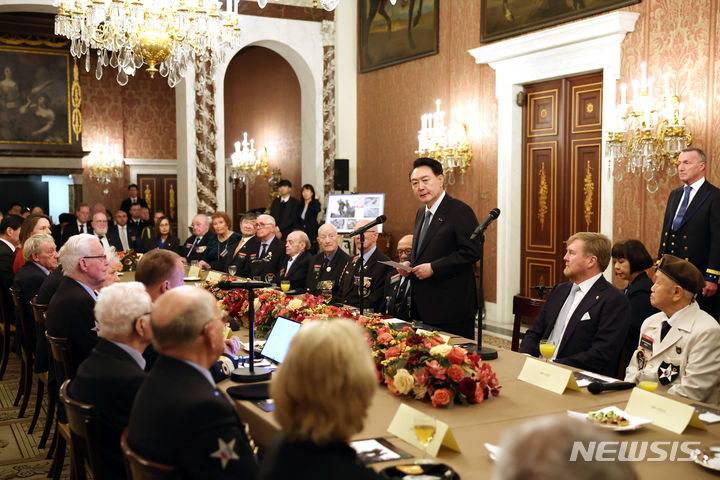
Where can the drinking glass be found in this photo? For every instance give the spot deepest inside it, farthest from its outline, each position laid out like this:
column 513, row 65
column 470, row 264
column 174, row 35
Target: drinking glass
column 194, row 263
column 285, row 285
column 547, row 349
column 232, row 270
column 424, row 427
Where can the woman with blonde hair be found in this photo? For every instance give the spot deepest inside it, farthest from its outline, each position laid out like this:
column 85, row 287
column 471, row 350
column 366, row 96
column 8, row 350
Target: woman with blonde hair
column 322, row 392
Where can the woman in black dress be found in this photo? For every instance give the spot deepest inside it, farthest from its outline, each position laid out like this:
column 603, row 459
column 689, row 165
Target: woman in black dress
column 630, row 260
column 221, row 245
column 163, row 239
column 308, row 216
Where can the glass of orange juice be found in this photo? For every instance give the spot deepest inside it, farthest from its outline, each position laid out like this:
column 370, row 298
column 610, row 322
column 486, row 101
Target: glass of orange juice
column 648, row 386
column 547, row 349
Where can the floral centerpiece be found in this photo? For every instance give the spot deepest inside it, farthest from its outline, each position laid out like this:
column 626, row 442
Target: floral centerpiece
column 128, row 260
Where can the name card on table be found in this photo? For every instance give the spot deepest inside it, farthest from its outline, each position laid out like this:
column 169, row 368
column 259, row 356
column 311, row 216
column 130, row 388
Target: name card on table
column 548, row 376
column 403, row 426
column 213, row 276
column 664, row 412
column 194, row 272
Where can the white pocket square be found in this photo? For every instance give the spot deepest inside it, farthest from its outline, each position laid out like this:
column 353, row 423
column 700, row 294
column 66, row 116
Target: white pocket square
column 585, row 317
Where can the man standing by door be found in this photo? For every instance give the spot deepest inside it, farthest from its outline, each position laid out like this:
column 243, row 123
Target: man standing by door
column 691, row 227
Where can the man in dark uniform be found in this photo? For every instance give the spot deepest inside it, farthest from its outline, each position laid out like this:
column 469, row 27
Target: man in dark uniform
column 398, row 289
column 111, row 376
column 327, row 266
column 294, row 268
column 286, row 209
column 179, row 417
column 196, row 244
column 261, row 257
column 443, row 256
column 132, row 199
column 375, row 273
column 691, row 227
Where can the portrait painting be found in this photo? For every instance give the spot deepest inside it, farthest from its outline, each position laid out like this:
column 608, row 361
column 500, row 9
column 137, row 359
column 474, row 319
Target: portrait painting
column 34, row 98
column 508, row 18
column 390, row 34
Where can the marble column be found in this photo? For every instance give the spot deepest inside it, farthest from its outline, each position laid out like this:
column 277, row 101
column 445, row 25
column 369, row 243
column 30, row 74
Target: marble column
column 205, row 140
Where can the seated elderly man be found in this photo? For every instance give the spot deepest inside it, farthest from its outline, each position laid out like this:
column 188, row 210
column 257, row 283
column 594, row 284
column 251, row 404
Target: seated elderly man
column 261, row 256
column 679, row 346
column 160, row 271
column 40, row 259
column 179, row 417
column 294, row 268
column 197, row 243
column 398, row 289
column 327, row 266
column 111, row 376
column 70, row 312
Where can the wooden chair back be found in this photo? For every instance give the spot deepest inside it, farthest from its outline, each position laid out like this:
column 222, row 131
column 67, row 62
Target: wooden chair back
column 139, row 468
column 85, row 433
column 525, row 310
column 26, row 320
column 60, row 351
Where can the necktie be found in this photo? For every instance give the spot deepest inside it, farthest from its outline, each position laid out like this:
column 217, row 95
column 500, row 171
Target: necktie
column 123, row 237
column 263, row 250
column 563, row 317
column 237, row 249
column 664, row 330
column 82, row 228
column 683, row 208
column 325, row 263
column 425, row 226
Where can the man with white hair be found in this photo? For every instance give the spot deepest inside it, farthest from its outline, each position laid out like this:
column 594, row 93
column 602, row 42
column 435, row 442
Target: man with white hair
column 100, row 228
column 327, row 266
column 196, row 244
column 179, row 417
column 111, row 376
column 40, row 259
column 294, row 268
column 261, row 257
column 70, row 313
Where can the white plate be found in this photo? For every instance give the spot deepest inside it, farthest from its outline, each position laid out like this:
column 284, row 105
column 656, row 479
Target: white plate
column 708, row 457
column 192, row 279
column 635, row 422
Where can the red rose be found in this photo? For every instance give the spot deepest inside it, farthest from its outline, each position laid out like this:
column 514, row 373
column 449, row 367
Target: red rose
column 455, row 372
column 441, row 397
column 457, row 355
column 468, row 387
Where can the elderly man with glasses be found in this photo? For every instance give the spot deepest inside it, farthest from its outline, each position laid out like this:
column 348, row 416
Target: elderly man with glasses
column 262, row 255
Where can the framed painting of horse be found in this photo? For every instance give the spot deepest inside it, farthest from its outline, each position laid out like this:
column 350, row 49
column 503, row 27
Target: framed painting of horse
column 391, row 34
column 508, row 18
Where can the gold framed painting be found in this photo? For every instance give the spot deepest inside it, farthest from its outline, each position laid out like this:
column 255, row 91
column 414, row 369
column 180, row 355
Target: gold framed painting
column 390, row 34
column 508, row 18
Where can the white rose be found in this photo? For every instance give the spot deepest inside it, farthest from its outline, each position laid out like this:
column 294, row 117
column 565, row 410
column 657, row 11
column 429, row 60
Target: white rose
column 256, row 303
column 404, row 382
column 442, row 350
column 294, row 304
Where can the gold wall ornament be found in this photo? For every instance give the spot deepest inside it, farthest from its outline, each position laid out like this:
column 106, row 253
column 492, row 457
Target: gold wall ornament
column 589, row 107
column 33, row 41
column 148, row 196
column 76, row 101
column 588, row 189
column 543, row 113
column 171, row 202
column 542, row 197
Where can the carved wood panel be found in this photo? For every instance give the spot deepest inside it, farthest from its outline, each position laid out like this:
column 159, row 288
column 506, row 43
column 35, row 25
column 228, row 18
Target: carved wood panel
column 160, row 193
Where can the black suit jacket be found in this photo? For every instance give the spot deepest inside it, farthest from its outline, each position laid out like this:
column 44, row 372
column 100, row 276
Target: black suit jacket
column 310, row 224
column 29, row 279
column 318, row 274
column 596, row 331
column 172, row 243
column 298, row 271
column 447, row 299
column 399, row 293
column 378, row 273
column 638, row 294
column 197, row 253
column 286, row 217
column 70, row 314
column 133, row 235
column 109, row 379
column 125, row 205
column 697, row 240
column 266, row 267
column 241, row 259
column 180, row 419
column 71, row 229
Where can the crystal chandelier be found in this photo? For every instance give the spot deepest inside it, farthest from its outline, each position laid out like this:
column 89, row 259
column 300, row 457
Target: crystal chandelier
column 448, row 145
column 651, row 133
column 247, row 163
column 328, row 5
column 166, row 35
column 105, row 164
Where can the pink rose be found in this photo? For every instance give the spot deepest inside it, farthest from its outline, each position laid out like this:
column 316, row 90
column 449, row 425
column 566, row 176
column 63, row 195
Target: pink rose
column 441, row 397
column 435, row 369
column 384, row 338
column 457, row 355
column 455, row 372
column 392, row 352
column 421, row 376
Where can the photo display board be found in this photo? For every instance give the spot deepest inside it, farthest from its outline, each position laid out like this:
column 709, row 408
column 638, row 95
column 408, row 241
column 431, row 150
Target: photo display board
column 344, row 211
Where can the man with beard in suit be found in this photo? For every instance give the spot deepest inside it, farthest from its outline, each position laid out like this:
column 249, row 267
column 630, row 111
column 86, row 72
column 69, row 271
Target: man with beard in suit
column 111, row 376
column 691, row 226
column 443, row 256
column 372, row 286
column 327, row 266
column 587, row 318
column 179, row 417
column 297, row 261
column 196, row 244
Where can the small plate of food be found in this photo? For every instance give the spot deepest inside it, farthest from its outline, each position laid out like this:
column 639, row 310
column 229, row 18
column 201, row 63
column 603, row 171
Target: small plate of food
column 612, row 418
column 708, row 457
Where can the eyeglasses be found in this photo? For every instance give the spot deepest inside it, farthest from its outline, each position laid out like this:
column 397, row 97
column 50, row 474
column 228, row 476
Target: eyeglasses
column 405, row 251
column 103, row 256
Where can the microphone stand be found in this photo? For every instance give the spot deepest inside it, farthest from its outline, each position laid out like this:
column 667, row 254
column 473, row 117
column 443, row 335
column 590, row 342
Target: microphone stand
column 484, row 352
column 250, row 373
column 361, row 285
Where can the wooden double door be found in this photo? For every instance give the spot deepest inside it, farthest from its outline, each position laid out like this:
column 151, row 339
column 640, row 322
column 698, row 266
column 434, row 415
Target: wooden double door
column 561, row 176
column 160, row 193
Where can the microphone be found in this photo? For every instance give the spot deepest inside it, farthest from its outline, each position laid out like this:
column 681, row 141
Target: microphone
column 598, row 387
column 228, row 285
column 494, row 213
column 364, row 228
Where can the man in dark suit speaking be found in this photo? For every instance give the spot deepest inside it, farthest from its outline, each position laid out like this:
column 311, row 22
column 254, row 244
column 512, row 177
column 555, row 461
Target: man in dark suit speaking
column 586, row 318
column 691, row 228
column 443, row 257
